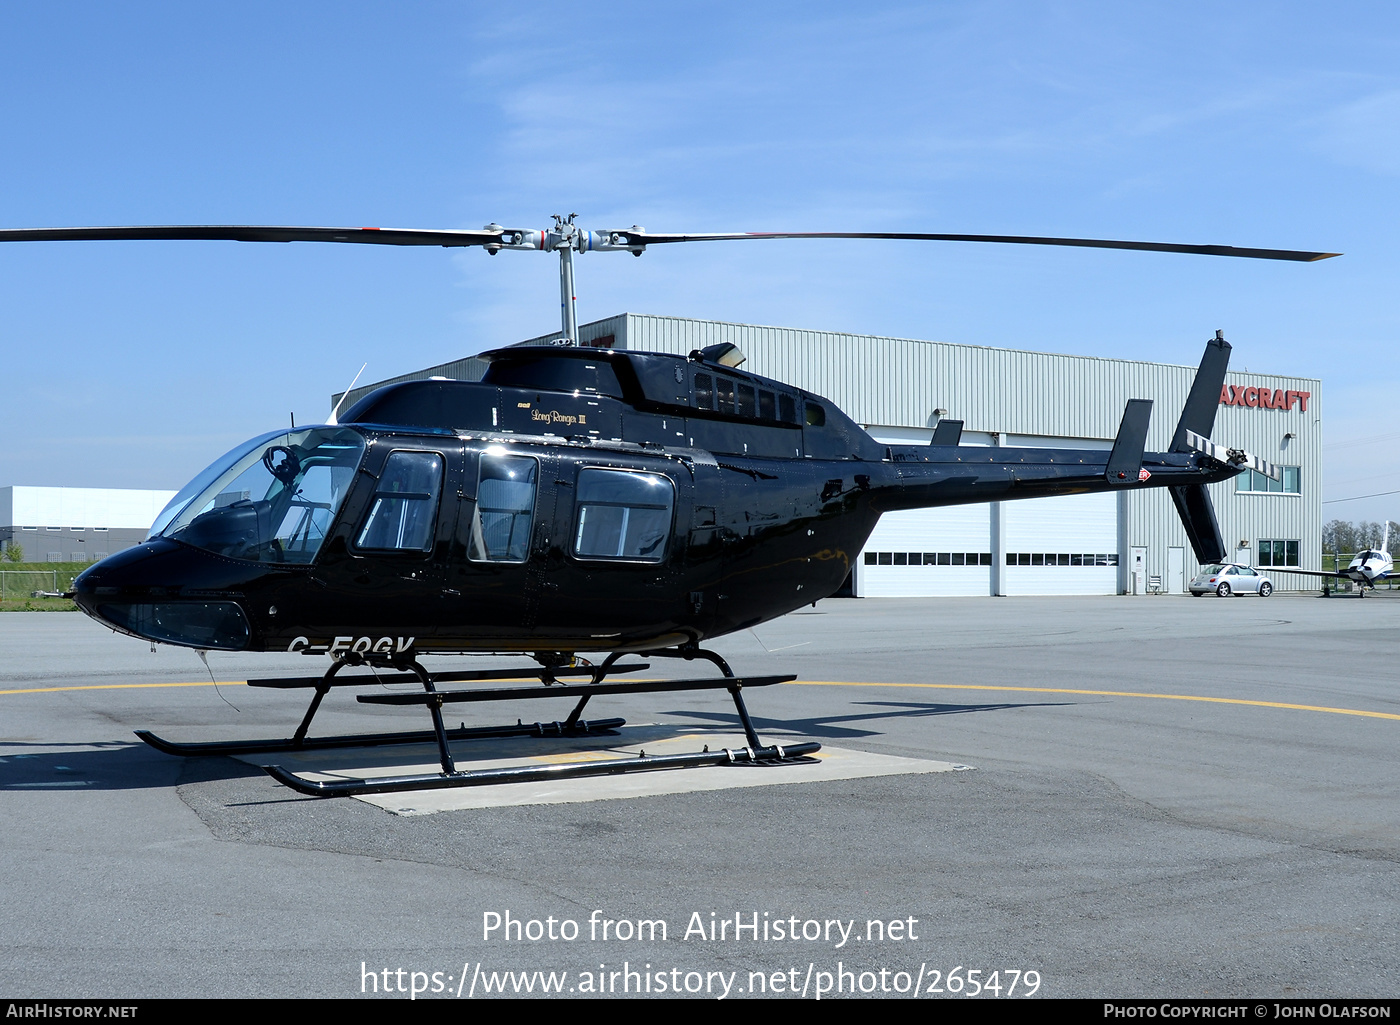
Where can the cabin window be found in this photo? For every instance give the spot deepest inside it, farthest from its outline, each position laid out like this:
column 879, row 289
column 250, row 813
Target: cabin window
column 404, row 510
column 623, row 514
column 787, row 409
column 724, row 392
column 766, row 409
column 704, row 391
column 816, row 416
column 553, row 373
column 747, row 405
column 505, row 509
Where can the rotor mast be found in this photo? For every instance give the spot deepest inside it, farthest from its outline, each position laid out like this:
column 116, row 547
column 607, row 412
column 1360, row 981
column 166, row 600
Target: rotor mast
column 565, row 237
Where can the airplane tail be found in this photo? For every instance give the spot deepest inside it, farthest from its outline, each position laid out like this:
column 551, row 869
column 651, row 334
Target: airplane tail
column 1192, row 501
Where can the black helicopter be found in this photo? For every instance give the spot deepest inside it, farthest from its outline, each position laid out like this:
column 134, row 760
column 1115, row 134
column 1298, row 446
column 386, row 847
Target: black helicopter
column 574, row 501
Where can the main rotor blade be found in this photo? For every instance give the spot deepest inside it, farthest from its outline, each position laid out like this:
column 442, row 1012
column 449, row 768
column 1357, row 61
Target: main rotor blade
column 257, row 233
column 503, row 238
column 648, row 238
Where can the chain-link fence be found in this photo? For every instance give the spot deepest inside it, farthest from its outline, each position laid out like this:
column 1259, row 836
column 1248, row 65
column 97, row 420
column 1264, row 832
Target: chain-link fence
column 23, row 583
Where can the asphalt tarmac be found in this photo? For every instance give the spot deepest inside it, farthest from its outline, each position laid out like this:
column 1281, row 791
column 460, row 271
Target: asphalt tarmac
column 1167, row 797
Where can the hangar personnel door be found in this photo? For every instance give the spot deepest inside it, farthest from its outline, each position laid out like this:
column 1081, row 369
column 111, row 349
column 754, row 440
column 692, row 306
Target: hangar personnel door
column 1176, row 570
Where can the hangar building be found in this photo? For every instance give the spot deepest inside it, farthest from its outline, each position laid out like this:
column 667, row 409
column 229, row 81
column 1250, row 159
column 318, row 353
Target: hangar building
column 900, row 388
column 77, row 524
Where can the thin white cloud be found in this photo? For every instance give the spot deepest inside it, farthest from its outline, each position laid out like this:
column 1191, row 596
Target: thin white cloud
column 1365, row 133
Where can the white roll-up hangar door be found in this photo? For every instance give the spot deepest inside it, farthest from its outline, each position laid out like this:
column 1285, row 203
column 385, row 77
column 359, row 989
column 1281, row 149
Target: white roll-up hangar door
column 1062, row 545
column 923, row 553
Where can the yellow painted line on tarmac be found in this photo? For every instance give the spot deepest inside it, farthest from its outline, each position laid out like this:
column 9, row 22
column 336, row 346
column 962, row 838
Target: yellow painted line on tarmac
column 1110, row 694
column 206, row 683
column 126, row 686
column 848, row 683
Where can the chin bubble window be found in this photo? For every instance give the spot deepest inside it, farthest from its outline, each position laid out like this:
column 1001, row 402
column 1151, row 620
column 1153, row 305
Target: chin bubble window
column 623, row 514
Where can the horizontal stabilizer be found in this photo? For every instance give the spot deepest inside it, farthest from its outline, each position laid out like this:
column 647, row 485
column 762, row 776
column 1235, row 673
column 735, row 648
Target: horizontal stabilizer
column 1198, row 517
column 1125, row 461
column 948, row 432
column 1236, row 457
column 1198, row 415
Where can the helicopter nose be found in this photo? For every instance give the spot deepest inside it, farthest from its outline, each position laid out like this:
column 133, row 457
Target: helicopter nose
column 162, row 591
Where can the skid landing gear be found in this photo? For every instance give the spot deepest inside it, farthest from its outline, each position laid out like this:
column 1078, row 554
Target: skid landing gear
column 299, row 741
column 754, row 752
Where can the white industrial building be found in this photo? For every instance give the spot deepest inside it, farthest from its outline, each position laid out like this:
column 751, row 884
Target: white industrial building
column 900, row 388
column 76, row 524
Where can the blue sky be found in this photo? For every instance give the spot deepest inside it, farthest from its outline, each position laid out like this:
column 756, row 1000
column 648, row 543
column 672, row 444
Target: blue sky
column 134, row 364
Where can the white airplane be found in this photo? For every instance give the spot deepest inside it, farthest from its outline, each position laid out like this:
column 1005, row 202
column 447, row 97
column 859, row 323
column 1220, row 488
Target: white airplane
column 1365, row 571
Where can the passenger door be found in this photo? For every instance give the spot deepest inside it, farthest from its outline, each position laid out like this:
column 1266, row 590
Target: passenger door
column 491, row 586
column 611, row 573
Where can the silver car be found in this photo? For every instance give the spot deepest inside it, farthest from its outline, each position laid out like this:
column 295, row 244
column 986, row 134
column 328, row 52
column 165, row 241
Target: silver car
column 1228, row 578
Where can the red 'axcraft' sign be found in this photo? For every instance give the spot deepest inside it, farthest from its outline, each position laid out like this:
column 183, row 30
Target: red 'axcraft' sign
column 1263, row 398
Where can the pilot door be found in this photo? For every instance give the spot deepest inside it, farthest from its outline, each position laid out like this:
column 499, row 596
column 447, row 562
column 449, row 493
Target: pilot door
column 383, row 570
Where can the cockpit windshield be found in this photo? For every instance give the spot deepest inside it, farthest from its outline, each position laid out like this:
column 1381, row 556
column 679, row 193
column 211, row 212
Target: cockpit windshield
column 271, row 500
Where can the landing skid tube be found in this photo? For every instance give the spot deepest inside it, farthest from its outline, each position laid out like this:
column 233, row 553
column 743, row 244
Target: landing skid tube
column 589, row 727
column 755, row 752
column 773, row 755
column 299, row 741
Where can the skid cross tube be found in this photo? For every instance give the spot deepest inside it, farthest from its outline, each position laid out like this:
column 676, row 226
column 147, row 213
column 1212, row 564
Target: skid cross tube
column 434, row 700
column 691, row 652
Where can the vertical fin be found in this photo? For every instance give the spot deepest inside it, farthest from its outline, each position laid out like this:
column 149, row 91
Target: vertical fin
column 1125, row 461
column 948, row 432
column 1198, row 415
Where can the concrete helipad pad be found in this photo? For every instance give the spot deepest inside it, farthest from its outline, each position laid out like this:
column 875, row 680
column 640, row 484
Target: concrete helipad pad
column 831, row 763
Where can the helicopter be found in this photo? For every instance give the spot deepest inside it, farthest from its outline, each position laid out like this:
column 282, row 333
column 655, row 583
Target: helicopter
column 575, row 502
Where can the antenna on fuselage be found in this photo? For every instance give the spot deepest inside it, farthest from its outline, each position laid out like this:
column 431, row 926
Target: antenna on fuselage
column 332, row 421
